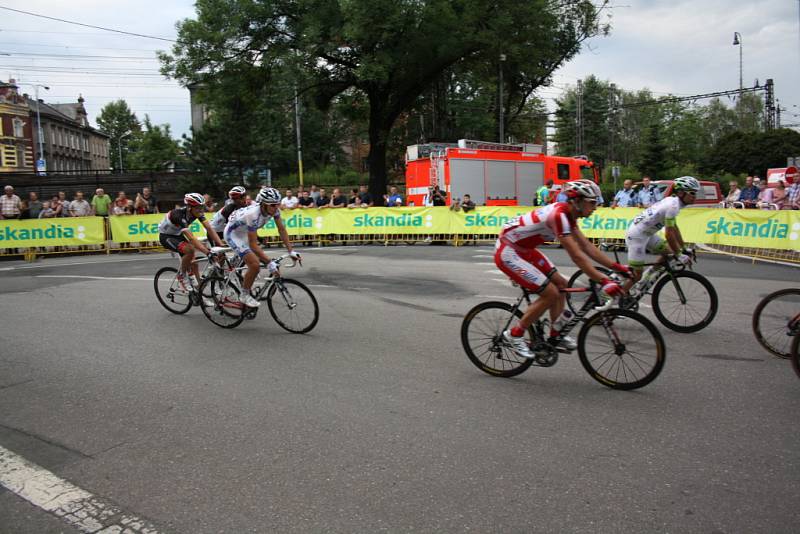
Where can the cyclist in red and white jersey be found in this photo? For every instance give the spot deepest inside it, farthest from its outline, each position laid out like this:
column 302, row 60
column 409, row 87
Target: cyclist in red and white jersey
column 517, row 256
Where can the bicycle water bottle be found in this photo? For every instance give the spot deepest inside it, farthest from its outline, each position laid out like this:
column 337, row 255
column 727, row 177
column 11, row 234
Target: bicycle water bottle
column 562, row 319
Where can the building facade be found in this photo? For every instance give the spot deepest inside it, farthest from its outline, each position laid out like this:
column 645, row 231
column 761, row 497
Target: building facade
column 69, row 143
column 16, row 130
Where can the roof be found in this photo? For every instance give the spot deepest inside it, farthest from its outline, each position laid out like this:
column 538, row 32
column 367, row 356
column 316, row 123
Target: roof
column 59, row 112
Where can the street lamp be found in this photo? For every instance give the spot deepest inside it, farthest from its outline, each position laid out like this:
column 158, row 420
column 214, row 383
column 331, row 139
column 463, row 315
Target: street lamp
column 119, row 148
column 43, row 166
column 737, row 41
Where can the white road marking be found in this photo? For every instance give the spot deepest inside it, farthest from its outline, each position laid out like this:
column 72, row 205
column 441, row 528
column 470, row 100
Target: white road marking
column 483, row 256
column 73, row 505
column 51, row 265
column 90, row 277
column 493, row 271
column 485, row 263
column 502, row 280
column 494, row 297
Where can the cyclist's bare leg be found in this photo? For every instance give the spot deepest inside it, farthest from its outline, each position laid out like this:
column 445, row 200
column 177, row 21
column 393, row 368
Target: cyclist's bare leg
column 548, row 298
column 253, row 267
column 187, row 258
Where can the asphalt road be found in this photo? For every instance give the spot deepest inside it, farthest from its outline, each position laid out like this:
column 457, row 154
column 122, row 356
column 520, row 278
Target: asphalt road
column 376, row 420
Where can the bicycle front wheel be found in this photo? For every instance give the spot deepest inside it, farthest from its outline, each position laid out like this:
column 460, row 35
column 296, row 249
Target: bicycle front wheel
column 621, row 349
column 776, row 320
column 170, row 293
column 293, row 306
column 223, row 307
column 482, row 338
column 685, row 301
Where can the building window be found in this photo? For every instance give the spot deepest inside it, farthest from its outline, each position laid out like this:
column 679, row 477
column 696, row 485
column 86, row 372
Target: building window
column 19, row 128
column 20, row 156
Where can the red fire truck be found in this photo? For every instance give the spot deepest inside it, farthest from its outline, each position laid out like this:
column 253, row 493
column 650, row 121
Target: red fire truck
column 492, row 174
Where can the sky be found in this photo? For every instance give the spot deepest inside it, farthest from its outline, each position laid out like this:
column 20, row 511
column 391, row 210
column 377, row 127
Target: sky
column 679, row 47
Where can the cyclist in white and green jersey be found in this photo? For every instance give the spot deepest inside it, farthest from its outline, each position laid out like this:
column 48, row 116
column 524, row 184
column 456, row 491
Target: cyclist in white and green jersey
column 642, row 235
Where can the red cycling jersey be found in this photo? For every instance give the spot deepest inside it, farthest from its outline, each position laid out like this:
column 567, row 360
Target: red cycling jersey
column 539, row 226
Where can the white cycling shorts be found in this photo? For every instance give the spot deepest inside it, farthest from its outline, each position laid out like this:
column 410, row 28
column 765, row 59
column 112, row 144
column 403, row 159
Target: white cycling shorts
column 639, row 247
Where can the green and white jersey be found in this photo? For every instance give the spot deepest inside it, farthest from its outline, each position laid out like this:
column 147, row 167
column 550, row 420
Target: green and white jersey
column 654, row 218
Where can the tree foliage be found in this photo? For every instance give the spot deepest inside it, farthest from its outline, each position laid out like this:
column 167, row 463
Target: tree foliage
column 154, row 148
column 752, row 152
column 388, row 52
column 117, row 120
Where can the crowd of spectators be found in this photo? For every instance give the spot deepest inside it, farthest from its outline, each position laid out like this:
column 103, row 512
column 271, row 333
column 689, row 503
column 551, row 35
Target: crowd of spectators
column 757, row 194
column 13, row 207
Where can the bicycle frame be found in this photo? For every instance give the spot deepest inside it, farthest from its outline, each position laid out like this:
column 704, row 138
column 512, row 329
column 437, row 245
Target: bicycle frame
column 590, row 305
column 667, row 269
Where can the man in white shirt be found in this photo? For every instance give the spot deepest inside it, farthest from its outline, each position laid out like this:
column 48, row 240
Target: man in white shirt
column 289, row 202
column 79, row 207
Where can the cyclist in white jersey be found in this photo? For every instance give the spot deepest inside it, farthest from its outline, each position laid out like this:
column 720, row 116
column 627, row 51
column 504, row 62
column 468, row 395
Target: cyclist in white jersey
column 240, row 233
column 237, row 200
column 642, row 234
column 517, row 256
column 174, row 234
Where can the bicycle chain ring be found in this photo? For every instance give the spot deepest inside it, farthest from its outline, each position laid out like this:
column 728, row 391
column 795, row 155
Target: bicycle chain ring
column 544, row 354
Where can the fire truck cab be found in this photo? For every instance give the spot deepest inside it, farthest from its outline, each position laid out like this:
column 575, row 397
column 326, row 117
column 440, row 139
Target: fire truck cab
column 493, row 174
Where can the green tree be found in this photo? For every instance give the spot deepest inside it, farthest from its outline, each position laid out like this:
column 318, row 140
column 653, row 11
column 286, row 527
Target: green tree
column 389, row 50
column 154, row 148
column 751, row 152
column 653, row 161
column 117, row 120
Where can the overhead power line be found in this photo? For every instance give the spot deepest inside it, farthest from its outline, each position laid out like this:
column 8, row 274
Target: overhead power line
column 87, row 25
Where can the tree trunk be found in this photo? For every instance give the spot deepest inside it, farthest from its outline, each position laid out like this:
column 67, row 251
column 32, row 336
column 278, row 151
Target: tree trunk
column 379, row 128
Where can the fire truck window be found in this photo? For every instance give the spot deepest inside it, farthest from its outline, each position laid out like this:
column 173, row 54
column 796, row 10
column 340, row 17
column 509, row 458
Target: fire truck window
column 587, row 173
column 563, row 171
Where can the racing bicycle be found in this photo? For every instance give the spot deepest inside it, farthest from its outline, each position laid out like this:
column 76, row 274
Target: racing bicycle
column 776, row 321
column 682, row 300
column 619, row 348
column 291, row 303
column 795, row 356
column 179, row 297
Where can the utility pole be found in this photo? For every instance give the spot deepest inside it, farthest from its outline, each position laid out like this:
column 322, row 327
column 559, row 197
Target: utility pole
column 299, row 142
column 579, row 119
column 769, row 106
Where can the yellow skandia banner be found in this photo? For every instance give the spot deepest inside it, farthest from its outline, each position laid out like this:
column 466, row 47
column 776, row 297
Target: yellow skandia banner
column 140, row 228
column 52, row 232
column 744, row 228
column 741, row 228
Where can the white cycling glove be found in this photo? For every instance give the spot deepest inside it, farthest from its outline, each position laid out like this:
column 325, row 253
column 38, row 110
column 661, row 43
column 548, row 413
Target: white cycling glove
column 685, row 259
column 272, row 267
column 294, row 255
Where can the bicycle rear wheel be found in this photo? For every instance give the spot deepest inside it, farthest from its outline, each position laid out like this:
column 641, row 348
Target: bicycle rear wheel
column 482, row 338
column 293, row 306
column 170, row 293
column 776, row 320
column 621, row 349
column 223, row 308
column 698, row 307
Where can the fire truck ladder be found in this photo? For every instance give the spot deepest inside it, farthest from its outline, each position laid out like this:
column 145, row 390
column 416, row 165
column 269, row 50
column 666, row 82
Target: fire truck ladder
column 436, row 156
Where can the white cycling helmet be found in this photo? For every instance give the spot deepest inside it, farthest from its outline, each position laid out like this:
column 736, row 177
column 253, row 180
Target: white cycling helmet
column 193, row 199
column 582, row 188
column 268, row 195
column 686, row 183
column 237, row 192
